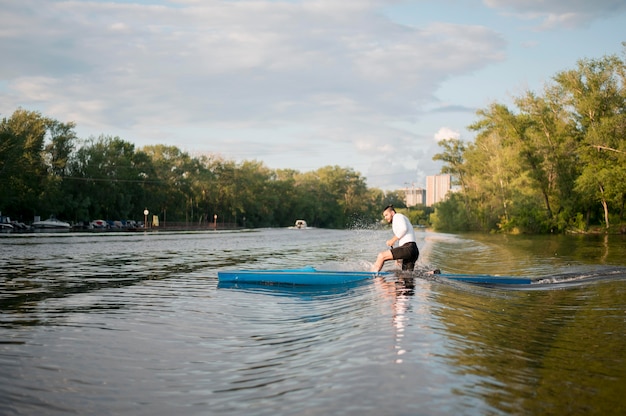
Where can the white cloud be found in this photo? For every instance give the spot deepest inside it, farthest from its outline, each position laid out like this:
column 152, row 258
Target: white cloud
column 233, row 59
column 560, row 13
column 446, row 133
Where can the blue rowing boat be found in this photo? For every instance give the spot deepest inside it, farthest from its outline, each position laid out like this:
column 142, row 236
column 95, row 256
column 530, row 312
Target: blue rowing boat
column 310, row 276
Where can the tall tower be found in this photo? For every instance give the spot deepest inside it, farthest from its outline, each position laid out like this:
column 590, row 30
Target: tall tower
column 414, row 196
column 437, row 187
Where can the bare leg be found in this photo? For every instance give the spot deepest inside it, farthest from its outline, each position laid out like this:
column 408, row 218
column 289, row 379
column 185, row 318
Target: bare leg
column 383, row 256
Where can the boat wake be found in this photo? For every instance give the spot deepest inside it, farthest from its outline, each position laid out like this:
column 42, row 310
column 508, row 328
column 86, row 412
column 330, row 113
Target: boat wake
column 557, row 281
column 616, row 273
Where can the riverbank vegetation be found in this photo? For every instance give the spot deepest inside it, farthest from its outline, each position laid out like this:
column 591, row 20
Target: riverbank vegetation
column 555, row 162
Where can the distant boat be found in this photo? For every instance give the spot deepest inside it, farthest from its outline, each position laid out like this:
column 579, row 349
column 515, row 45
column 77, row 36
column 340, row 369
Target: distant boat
column 5, row 224
column 99, row 224
column 51, row 224
column 300, row 224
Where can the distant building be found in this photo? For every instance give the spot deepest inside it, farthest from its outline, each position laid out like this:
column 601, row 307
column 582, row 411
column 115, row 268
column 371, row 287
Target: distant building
column 437, row 187
column 414, row 196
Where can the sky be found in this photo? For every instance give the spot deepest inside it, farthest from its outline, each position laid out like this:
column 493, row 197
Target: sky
column 369, row 85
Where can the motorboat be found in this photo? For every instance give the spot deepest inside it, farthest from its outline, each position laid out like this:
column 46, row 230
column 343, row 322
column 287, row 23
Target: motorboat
column 300, row 224
column 5, row 224
column 51, row 224
column 99, row 224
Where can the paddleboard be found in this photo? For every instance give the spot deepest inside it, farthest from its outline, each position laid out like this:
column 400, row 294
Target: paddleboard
column 312, row 276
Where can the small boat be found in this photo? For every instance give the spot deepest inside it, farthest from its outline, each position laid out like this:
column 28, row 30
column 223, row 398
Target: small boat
column 99, row 224
column 8, row 226
column 51, row 224
column 300, row 225
column 5, row 224
column 311, row 276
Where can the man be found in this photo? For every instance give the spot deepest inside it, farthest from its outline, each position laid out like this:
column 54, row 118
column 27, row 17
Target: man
column 404, row 234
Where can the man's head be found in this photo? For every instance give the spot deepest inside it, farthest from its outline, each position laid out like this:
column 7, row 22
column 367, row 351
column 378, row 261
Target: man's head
column 388, row 213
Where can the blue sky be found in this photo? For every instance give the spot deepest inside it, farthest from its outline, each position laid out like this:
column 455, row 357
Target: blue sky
column 365, row 84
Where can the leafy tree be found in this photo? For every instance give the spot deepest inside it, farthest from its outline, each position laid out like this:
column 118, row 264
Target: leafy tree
column 342, row 191
column 57, row 154
column 595, row 91
column 22, row 166
column 453, row 159
column 107, row 180
column 395, row 198
column 450, row 215
column 174, row 184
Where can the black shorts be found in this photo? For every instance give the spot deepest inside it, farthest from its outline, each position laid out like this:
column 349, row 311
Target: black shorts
column 408, row 253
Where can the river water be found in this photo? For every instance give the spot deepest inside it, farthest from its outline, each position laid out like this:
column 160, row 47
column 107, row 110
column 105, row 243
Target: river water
column 136, row 324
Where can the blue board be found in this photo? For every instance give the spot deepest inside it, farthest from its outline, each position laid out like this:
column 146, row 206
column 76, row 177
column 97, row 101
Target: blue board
column 311, row 276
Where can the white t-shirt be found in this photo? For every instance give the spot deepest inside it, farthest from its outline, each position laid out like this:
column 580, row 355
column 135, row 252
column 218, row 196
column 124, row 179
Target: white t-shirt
column 403, row 229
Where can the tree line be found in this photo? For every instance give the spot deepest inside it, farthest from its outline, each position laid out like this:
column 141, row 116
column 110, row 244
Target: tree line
column 554, row 162
column 47, row 170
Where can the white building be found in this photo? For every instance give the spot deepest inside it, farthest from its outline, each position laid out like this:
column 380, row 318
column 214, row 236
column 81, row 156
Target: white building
column 414, row 196
column 437, row 187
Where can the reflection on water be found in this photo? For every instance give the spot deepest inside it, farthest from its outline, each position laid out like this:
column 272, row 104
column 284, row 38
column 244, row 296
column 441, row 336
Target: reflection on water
column 523, row 255
column 541, row 352
column 137, row 324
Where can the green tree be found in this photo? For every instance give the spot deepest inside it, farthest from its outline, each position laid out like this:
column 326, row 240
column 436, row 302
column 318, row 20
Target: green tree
column 176, row 185
column 342, row 190
column 395, row 198
column 255, row 195
column 595, row 91
column 107, row 180
column 450, row 215
column 550, row 141
column 453, row 158
column 57, row 155
column 22, row 166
